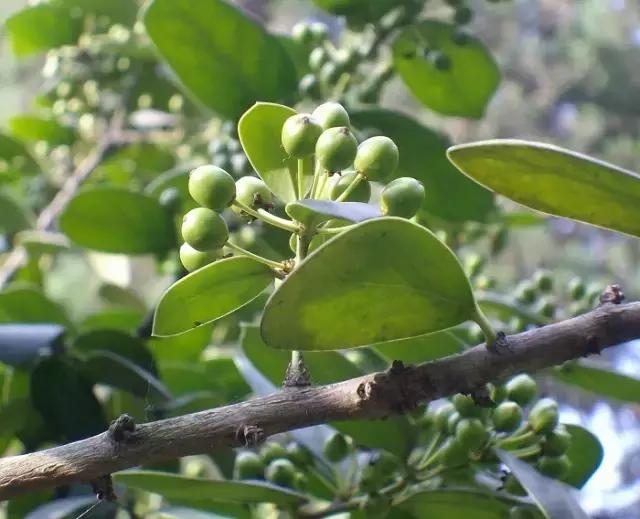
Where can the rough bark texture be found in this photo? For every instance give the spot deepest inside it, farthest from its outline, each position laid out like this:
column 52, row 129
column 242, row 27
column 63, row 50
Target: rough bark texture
column 373, row 396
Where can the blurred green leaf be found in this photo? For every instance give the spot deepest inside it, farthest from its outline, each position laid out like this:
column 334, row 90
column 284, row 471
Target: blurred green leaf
column 465, row 88
column 450, row 195
column 360, row 11
column 599, row 381
column 452, row 504
column 134, row 164
column 226, row 59
column 28, row 305
column 122, row 319
column 117, row 342
column 185, row 347
column 119, row 221
column 15, row 159
column 13, row 215
column 585, row 452
column 540, row 176
column 117, row 11
column 38, row 243
column 422, row 348
column 36, row 128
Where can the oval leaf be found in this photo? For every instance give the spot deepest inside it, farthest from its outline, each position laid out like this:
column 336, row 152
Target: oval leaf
column 382, row 280
column 119, row 221
column 210, row 293
column 465, row 88
column 221, row 55
column 13, row 216
column 36, row 128
column 22, row 304
column 600, row 381
column 423, row 348
column 440, row 504
column 314, row 212
column 15, row 159
column 555, row 181
column 585, row 452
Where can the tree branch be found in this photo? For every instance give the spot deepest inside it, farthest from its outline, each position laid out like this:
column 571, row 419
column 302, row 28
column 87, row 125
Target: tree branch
column 369, row 397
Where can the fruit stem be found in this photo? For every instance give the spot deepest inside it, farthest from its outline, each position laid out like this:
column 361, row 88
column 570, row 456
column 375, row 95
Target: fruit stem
column 515, row 440
column 316, row 180
column 300, row 179
column 270, row 263
column 350, row 188
column 322, row 183
column 427, row 457
column 532, row 450
column 481, row 320
column 267, row 217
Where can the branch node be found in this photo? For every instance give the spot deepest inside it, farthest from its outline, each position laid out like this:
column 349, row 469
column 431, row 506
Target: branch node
column 481, row 397
column 122, row 428
column 103, row 488
column 297, row 374
column 250, row 435
column 612, row 294
column 500, row 345
column 593, row 346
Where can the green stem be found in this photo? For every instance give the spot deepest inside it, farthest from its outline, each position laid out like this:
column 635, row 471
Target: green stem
column 533, row 450
column 484, row 324
column 427, row 456
column 322, row 183
column 514, row 440
column 300, row 179
column 316, row 179
column 248, row 254
column 350, row 188
column 341, row 86
column 267, row 217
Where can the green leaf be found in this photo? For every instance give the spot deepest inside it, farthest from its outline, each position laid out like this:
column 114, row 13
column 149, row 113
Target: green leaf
column 28, row 305
column 23, row 343
column 186, row 347
column 38, row 243
column 465, row 88
column 182, row 489
column 210, row 293
column 259, row 130
column 133, row 164
column 15, row 160
column 393, row 434
column 585, row 452
column 35, row 128
column 119, row 221
column 124, row 319
column 360, row 11
column 65, row 399
column 554, row 498
column 599, row 381
column 423, row 348
column 41, row 27
column 180, row 512
column 450, row 504
column 13, row 216
column 506, row 307
column 315, row 212
column 384, row 279
column 555, row 181
column 450, row 195
column 226, row 59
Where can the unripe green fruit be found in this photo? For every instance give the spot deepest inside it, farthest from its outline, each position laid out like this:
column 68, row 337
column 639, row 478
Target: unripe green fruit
column 402, row 197
column 320, row 31
column 377, row 158
column 577, row 289
column 544, row 416
column 299, row 135
column 336, row 148
column 204, row 229
column 281, row 472
column 461, row 37
column 507, row 417
column 248, row 465
column 525, row 293
column 329, row 74
column 362, row 192
column 555, row 467
column 543, row 280
column 522, row 389
column 442, row 415
column 336, row 448
column 331, row 115
column 301, row 33
column 212, row 187
column 463, row 15
column 318, row 58
column 465, row 405
column 557, row 442
column 309, row 86
column 452, row 422
column 453, row 453
column 271, row 451
column 471, row 433
column 193, row 259
column 427, row 420
column 473, row 264
column 378, row 471
column 498, row 393
column 171, row 200
column 546, row 308
column 299, row 454
column 253, row 192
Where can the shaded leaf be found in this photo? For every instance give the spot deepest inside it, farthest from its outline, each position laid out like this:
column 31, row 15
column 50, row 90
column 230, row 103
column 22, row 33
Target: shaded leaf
column 422, row 348
column 15, row 159
column 585, row 452
column 599, row 381
column 28, row 305
column 123, row 319
column 315, row 212
column 36, row 128
column 23, row 343
column 451, row 504
column 117, row 342
column 359, row 11
column 13, row 215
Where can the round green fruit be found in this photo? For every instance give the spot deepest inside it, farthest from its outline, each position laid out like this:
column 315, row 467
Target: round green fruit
column 281, row 472
column 465, row 405
column 302, row 34
column 299, row 454
column 442, row 414
column 507, row 417
column 557, row 442
column 248, row 465
column 377, row 158
column 212, row 187
column 498, row 393
column 336, row 448
column 317, row 58
column 300, row 133
column 525, row 293
column 463, row 15
column 402, row 197
column 204, row 229
column 331, row 115
column 471, row 433
column 309, row 86
column 543, row 280
column 522, row 389
column 453, row 453
column 554, row 466
column 336, row 149
column 544, row 415
column 193, row 259
column 362, row 192
column 452, row 422
column 253, row 192
column 271, row 451
column 577, row 289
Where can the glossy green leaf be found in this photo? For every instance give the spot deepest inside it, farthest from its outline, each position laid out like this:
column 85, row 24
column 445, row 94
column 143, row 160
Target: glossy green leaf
column 185, row 489
column 585, row 452
column 423, row 348
column 382, row 280
column 450, row 504
column 555, row 181
column 117, row 342
column 13, row 215
column 15, row 159
column 260, row 130
column 210, row 293
column 554, row 498
column 119, row 221
column 28, row 305
column 225, row 58
column 599, row 381
column 314, row 212
column 36, row 128
column 326, row 367
column 41, row 27
column 423, row 157
column 465, row 88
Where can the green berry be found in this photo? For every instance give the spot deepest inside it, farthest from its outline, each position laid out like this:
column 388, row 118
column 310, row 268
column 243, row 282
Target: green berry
column 377, row 158
column 271, row 451
column 473, row 264
column 361, row 193
column 466, row 406
column 463, row 15
column 452, row 422
column 300, row 133
column 522, row 389
column 253, row 192
column 507, row 417
column 402, row 197
column 427, row 420
column 453, row 453
column 331, row 115
column 439, row 60
column 193, row 259
column 299, row 454
column 554, row 466
column 498, row 393
column 544, row 415
column 170, row 199
column 543, row 280
column 212, row 187
column 461, row 38
column 318, row 58
column 281, row 472
column 204, row 229
column 525, row 292
column 546, row 308
column 336, row 448
column 320, row 31
column 336, row 148
column 557, row 442
column 248, row 465
column 577, row 289
column 302, row 34
column 442, row 414
column 471, row 433
column 329, row 74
